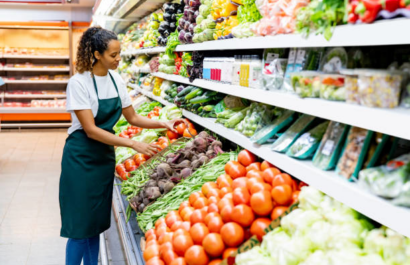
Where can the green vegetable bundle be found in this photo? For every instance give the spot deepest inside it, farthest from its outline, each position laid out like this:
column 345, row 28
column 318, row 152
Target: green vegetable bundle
column 181, row 192
column 248, row 12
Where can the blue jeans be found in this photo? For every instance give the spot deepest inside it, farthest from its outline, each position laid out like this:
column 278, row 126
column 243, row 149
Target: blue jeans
column 82, row 249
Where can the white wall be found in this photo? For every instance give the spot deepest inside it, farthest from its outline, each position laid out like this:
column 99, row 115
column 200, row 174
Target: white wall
column 45, row 12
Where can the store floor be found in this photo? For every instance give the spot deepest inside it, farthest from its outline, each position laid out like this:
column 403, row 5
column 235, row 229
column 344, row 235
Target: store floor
column 29, row 210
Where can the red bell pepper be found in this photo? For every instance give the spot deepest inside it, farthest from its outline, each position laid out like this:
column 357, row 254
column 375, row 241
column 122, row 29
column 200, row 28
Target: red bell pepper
column 352, row 16
column 390, row 5
column 368, row 10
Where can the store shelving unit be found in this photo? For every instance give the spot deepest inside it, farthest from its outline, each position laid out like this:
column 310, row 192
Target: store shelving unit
column 5, row 56
column 328, row 182
column 36, row 96
column 37, row 69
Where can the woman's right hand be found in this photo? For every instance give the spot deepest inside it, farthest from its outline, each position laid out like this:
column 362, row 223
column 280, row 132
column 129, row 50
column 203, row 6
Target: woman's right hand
column 143, row 148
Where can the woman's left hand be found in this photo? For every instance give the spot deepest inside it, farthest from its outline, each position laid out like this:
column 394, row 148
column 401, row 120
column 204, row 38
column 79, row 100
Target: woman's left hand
column 171, row 124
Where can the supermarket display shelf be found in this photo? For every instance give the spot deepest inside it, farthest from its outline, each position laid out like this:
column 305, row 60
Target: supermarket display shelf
column 36, row 81
column 5, row 56
column 36, row 125
column 149, row 94
column 36, row 96
column 38, row 69
column 32, row 110
column 328, row 182
column 380, row 120
column 375, row 34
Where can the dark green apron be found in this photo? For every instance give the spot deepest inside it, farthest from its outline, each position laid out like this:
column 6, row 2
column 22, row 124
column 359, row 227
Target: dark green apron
column 87, row 176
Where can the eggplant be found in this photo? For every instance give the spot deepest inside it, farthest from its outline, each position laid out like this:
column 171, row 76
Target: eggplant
column 171, row 9
column 180, row 10
column 181, row 36
column 179, row 29
column 174, row 17
column 186, row 26
column 186, row 10
column 182, row 22
column 188, row 37
column 167, row 16
column 165, row 24
column 220, row 20
column 194, row 3
column 186, row 2
column 172, row 27
column 166, row 33
column 161, row 30
column 191, row 28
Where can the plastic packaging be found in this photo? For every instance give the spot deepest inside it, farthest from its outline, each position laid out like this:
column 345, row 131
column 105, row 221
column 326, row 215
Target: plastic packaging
column 283, row 120
column 273, row 74
column 351, row 85
column 380, row 88
column 356, row 147
column 405, row 68
column 387, row 180
column 306, row 84
column 334, row 60
column 332, row 87
column 300, row 126
column 329, row 150
column 255, row 71
column 236, row 70
column 306, row 145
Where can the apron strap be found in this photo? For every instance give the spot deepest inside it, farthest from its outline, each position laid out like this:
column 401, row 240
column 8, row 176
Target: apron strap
column 112, row 79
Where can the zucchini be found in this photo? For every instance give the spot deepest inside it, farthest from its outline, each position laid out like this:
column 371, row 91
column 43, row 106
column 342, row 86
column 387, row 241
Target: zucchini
column 196, row 106
column 186, row 91
column 208, row 96
column 194, row 93
column 174, row 94
column 209, row 107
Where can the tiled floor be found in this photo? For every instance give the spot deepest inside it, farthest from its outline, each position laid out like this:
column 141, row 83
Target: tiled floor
column 29, row 210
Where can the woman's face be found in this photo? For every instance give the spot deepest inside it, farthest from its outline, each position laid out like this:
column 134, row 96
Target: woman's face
column 111, row 58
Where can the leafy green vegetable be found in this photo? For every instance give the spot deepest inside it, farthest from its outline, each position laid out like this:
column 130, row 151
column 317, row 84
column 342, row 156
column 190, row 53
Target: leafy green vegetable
column 173, row 41
column 248, row 12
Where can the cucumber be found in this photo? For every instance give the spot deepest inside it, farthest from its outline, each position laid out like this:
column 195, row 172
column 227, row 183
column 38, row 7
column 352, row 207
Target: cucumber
column 209, row 107
column 194, row 93
column 174, row 94
column 186, row 91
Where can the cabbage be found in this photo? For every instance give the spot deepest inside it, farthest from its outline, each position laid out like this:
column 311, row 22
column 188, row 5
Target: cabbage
column 349, row 256
column 372, row 259
column 299, row 221
column 319, row 234
column 346, row 235
column 317, row 258
column 310, row 198
column 255, row 256
column 170, row 112
column 147, row 136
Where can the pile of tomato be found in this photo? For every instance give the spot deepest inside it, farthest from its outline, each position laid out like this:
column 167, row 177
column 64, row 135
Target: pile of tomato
column 130, row 132
column 154, row 112
column 215, row 221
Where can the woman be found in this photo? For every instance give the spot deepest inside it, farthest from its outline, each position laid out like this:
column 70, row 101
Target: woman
column 96, row 98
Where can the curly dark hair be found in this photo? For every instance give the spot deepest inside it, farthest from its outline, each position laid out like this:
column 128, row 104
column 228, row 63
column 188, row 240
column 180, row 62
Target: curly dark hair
column 93, row 39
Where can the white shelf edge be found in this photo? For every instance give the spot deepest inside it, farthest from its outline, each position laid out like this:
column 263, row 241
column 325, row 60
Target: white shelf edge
column 328, row 182
column 36, row 81
column 376, row 119
column 31, row 110
column 36, row 96
column 33, row 69
column 34, row 57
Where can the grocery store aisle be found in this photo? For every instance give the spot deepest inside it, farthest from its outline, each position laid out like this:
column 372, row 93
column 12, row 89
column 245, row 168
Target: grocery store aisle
column 29, row 209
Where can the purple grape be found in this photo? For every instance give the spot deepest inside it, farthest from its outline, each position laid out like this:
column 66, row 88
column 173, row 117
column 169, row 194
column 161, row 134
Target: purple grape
column 181, row 36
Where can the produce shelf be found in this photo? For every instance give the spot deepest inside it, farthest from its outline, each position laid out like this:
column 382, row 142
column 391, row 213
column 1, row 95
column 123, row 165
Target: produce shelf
column 149, row 94
column 375, row 34
column 36, row 81
column 66, row 57
column 376, row 119
column 36, row 96
column 328, row 182
column 34, row 69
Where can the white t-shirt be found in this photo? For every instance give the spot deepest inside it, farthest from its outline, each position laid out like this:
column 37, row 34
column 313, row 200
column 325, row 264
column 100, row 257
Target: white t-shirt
column 81, row 94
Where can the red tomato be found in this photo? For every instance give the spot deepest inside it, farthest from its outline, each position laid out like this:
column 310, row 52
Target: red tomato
column 213, row 208
column 282, row 179
column 151, row 237
column 223, row 203
column 120, row 169
column 168, row 256
column 180, row 232
column 269, row 174
column 172, row 135
column 209, row 216
column 150, row 252
column 178, row 261
column 139, row 159
column 254, row 166
column 213, row 193
column 213, row 245
column 130, row 165
column 149, row 232
column 255, row 174
column 183, row 205
column 232, row 234
column 207, row 187
column 125, row 176
column 213, row 199
column 261, row 203
column 180, row 128
column 295, row 196
column 164, row 247
column 201, row 203
column 196, row 255
column 225, row 191
column 215, row 224
column 186, row 225
column 186, row 213
column 151, row 242
column 246, row 158
column 181, row 243
column 198, row 232
column 301, row 185
column 265, row 165
column 251, row 181
column 258, row 186
column 162, row 230
column 235, row 169
column 155, row 261
column 194, row 196
column 124, row 135
column 215, row 262
column 241, row 196
column 166, row 237
column 239, row 182
column 258, row 227
column 190, row 132
column 282, row 194
column 224, row 180
column 278, row 211
column 243, row 215
column 159, row 222
column 226, row 213
column 197, row 216
column 170, row 220
column 227, row 253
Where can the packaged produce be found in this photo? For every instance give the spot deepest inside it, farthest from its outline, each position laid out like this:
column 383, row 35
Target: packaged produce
column 334, row 60
column 328, row 152
column 378, row 150
column 274, row 67
column 379, row 88
column 232, row 103
column 355, row 151
column 405, row 102
column 306, row 84
column 351, row 86
column 254, row 116
column 387, row 180
column 301, row 125
column 306, row 145
column 332, row 87
column 282, row 119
